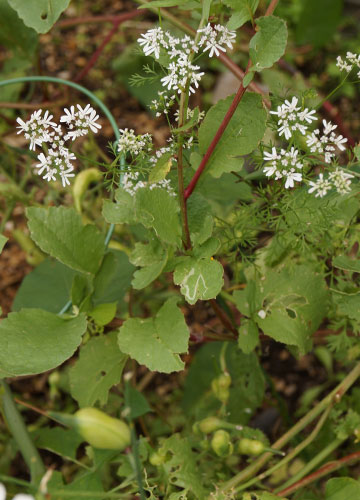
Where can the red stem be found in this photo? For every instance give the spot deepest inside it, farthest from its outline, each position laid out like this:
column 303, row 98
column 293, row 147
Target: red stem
column 116, row 23
column 323, row 471
column 238, row 96
column 271, row 8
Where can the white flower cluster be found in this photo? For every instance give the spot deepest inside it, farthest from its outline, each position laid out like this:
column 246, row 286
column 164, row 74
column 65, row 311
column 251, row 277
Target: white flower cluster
column 131, row 184
column 180, row 51
column 214, row 39
column 337, row 179
column 134, row 144
column 291, row 118
column 189, row 114
column 284, row 164
column 19, row 496
column 351, row 61
column 41, row 130
column 326, row 142
column 163, row 104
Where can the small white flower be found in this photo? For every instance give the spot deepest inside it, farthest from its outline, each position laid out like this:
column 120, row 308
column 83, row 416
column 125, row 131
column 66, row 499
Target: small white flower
column 283, row 164
column 325, row 143
column 214, row 39
column 290, row 118
column 320, row 187
column 19, row 496
column 262, row 314
column 341, row 180
column 351, row 60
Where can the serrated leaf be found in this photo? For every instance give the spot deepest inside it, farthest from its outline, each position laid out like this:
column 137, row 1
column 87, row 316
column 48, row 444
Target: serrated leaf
column 295, row 302
column 242, row 135
column 34, row 341
column 152, row 257
column 346, row 263
column 200, row 219
column 342, row 488
column 59, row 232
column 244, row 11
column 39, row 14
column 157, row 342
column 161, row 168
column 99, row 367
column 199, row 278
column 349, row 305
column 123, row 211
column 269, row 43
column 156, row 208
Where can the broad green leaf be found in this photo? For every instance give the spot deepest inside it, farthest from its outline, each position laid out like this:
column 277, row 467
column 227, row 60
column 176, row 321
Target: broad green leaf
column 14, row 34
column 349, row 305
column 182, row 468
column 342, row 488
column 63, row 442
column 200, row 219
column 294, row 301
column 269, row 43
column 137, row 404
column 248, row 301
column 246, row 390
column 48, row 287
column 318, row 21
column 248, row 337
column 156, row 208
column 98, row 368
column 3, row 240
column 152, row 257
column 346, row 263
column 242, row 135
column 161, row 168
column 34, row 341
column 123, row 211
column 39, row 14
column 113, row 279
column 157, row 342
column 199, row 278
column 103, row 313
column 59, row 232
column 207, row 249
column 244, row 10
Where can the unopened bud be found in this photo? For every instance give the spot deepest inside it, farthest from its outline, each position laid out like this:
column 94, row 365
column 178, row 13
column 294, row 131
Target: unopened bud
column 221, row 443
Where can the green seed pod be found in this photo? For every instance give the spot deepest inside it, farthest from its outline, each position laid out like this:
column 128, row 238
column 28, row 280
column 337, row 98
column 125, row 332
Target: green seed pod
column 221, row 392
column 210, row 424
column 82, row 182
column 224, row 380
column 221, row 443
column 251, row 447
column 102, row 431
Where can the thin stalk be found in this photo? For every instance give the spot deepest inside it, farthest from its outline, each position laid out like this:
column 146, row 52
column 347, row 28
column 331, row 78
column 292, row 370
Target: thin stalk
column 312, row 464
column 271, row 8
column 334, row 395
column 21, row 435
column 182, row 201
column 323, row 471
column 291, row 455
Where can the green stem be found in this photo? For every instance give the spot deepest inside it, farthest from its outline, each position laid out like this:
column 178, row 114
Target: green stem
column 313, row 463
column 291, row 455
column 334, row 395
column 21, row 435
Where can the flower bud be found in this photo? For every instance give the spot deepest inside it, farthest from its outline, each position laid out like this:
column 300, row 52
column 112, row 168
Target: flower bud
column 221, row 443
column 252, row 447
column 157, row 459
column 220, row 387
column 102, row 431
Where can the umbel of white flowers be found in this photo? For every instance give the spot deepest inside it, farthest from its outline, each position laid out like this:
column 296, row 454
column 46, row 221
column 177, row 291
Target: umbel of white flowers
column 288, row 163
column 40, row 129
column 19, row 496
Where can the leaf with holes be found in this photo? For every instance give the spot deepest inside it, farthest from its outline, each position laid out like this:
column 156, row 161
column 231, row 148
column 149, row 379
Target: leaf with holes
column 98, row 368
column 39, row 14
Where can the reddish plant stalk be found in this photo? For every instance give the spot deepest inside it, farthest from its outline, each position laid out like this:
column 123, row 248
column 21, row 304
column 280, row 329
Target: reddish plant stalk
column 230, row 112
column 107, row 39
column 323, row 471
column 271, row 8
